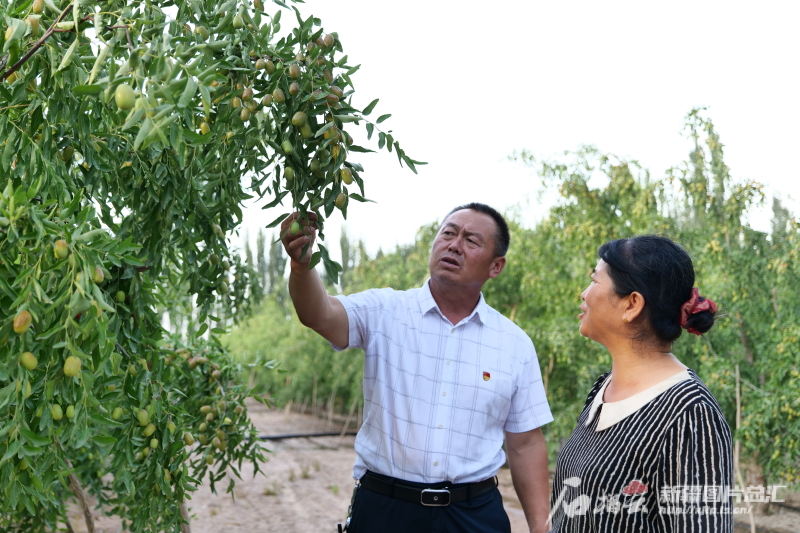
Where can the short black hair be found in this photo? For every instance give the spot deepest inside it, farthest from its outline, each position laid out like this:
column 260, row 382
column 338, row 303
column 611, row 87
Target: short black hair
column 661, row 271
column 502, row 238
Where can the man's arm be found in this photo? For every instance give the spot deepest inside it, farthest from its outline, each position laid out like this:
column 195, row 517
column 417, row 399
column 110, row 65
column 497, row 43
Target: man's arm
column 527, row 457
column 315, row 308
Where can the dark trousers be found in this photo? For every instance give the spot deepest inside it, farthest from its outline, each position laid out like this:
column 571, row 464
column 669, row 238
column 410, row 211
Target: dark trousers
column 376, row 513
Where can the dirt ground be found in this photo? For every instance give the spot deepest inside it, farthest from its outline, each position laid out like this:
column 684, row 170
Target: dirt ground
column 307, row 483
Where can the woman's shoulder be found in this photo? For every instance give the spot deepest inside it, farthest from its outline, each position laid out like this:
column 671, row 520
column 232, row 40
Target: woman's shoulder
column 691, row 398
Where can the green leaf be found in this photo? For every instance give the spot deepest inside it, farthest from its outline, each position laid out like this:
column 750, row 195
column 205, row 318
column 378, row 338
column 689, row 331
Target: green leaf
column 83, row 90
column 144, row 131
column 68, row 56
column 33, row 438
column 10, row 148
column 278, row 220
column 370, row 107
column 324, row 128
column 188, row 93
column 382, row 118
column 104, row 441
column 134, row 119
column 359, row 198
column 361, row 149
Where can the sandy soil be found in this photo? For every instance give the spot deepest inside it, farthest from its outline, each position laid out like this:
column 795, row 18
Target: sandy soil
column 307, row 483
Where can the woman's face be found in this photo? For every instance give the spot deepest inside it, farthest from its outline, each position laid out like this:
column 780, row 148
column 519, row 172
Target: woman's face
column 602, row 313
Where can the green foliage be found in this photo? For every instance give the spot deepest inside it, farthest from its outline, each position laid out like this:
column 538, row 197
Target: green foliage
column 753, row 276
column 310, row 372
column 76, row 315
column 124, row 137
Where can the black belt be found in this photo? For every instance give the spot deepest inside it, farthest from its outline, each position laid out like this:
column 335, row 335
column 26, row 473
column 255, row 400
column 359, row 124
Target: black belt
column 435, row 494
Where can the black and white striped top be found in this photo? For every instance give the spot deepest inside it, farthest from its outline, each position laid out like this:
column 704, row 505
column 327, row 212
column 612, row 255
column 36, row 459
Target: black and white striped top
column 660, row 461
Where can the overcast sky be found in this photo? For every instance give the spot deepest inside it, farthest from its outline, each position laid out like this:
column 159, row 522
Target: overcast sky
column 468, row 83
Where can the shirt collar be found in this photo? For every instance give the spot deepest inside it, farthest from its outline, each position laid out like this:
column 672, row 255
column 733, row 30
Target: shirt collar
column 615, row 412
column 427, row 304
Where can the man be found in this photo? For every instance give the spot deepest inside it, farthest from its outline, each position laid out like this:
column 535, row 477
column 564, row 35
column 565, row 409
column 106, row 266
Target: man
column 445, row 376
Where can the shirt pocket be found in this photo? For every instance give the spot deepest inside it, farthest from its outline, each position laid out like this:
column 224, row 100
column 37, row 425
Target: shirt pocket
column 487, row 402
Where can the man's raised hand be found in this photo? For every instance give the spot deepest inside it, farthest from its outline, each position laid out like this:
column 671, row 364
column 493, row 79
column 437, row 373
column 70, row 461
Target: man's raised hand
column 296, row 232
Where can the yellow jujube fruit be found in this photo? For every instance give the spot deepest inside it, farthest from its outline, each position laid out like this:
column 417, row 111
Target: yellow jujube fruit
column 299, row 119
column 28, row 360
column 72, row 366
column 97, row 275
column 61, row 249
column 22, row 322
column 124, row 97
column 347, row 176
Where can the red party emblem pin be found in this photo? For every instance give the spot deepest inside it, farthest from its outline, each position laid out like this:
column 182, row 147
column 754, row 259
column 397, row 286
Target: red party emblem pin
column 486, row 376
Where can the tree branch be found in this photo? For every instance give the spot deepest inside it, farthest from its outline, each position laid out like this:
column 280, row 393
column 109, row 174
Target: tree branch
column 78, row 491
column 52, row 29
column 121, row 349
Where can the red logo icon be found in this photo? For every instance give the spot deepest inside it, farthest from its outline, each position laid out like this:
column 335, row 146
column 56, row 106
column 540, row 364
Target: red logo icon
column 635, row 487
column 486, row 376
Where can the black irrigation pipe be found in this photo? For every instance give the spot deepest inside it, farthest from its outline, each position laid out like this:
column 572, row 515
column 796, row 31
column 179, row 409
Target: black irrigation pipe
column 305, row 435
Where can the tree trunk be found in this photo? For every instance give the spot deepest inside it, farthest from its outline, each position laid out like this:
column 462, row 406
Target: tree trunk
column 185, row 528
column 81, row 496
column 346, row 423
column 331, row 403
column 737, row 448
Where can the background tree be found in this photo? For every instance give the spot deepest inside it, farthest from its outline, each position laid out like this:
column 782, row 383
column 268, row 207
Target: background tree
column 752, row 275
column 132, row 133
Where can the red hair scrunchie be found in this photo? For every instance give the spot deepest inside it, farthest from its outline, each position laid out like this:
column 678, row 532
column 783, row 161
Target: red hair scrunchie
column 693, row 306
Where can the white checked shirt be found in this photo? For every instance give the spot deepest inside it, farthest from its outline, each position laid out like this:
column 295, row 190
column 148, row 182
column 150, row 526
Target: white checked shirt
column 437, row 397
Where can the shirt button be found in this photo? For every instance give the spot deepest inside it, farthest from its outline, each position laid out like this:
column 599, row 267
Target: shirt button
column 436, row 463
column 453, row 330
column 444, row 394
column 448, row 362
column 440, row 426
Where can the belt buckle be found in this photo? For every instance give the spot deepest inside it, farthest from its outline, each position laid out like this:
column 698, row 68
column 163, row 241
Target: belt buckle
column 435, row 497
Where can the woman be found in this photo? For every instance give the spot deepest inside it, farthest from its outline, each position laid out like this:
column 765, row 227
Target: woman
column 652, row 451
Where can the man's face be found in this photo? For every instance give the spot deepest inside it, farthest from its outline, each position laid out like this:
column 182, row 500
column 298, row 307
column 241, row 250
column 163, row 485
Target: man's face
column 463, row 250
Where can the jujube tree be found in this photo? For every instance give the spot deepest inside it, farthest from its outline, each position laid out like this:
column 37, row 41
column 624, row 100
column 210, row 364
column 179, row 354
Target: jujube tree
column 132, row 133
